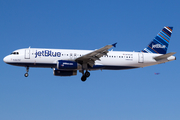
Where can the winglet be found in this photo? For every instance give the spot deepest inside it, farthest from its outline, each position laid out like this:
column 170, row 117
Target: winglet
column 114, row 45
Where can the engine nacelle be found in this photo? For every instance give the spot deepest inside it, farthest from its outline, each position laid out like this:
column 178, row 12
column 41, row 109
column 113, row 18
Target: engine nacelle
column 67, row 65
column 57, row 72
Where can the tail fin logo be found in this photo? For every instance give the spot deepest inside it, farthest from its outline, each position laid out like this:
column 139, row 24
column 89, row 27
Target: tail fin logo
column 158, row 46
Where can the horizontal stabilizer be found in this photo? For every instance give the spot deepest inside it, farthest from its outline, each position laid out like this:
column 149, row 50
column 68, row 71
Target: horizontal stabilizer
column 165, row 56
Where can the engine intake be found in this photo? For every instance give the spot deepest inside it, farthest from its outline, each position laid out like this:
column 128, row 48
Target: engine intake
column 57, row 72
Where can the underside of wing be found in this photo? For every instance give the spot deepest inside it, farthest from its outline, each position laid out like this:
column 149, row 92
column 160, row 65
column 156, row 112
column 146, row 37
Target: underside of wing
column 90, row 58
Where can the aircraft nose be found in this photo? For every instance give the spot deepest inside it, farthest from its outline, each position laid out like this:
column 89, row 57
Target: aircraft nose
column 5, row 59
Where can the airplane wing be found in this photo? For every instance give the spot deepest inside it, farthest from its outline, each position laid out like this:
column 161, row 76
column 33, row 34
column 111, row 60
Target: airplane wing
column 165, row 56
column 91, row 57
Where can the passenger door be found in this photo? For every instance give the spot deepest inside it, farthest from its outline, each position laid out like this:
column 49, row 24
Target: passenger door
column 27, row 54
column 140, row 58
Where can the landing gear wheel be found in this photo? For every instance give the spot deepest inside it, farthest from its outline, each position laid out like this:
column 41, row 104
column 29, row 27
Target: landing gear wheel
column 83, row 78
column 87, row 74
column 27, row 70
column 26, row 74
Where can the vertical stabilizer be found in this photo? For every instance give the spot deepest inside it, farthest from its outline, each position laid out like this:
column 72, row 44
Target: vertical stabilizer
column 160, row 43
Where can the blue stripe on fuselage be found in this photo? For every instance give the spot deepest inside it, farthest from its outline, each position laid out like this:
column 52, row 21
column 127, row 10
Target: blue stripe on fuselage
column 53, row 65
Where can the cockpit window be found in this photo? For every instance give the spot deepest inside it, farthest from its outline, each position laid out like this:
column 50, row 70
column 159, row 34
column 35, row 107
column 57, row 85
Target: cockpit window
column 15, row 53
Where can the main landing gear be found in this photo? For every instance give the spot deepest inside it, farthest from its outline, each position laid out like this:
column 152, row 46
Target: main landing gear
column 27, row 70
column 85, row 76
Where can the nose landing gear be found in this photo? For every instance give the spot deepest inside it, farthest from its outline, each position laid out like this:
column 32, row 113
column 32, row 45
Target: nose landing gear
column 27, row 70
column 85, row 76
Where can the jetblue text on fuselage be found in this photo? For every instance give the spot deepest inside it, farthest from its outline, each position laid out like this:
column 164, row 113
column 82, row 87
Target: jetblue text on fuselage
column 47, row 53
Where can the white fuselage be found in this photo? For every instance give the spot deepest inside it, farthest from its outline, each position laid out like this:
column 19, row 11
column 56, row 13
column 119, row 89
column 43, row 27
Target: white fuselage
column 114, row 60
column 66, row 62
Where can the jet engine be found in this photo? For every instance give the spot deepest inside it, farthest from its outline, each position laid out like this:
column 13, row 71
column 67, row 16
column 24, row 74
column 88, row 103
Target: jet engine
column 67, row 65
column 57, row 72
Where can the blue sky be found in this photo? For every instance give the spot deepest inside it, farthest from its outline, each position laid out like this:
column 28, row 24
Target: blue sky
column 135, row 94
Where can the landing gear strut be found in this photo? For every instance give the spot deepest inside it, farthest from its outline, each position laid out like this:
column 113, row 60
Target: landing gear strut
column 85, row 76
column 27, row 70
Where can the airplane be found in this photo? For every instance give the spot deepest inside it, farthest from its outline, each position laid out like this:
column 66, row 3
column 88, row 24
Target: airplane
column 66, row 62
